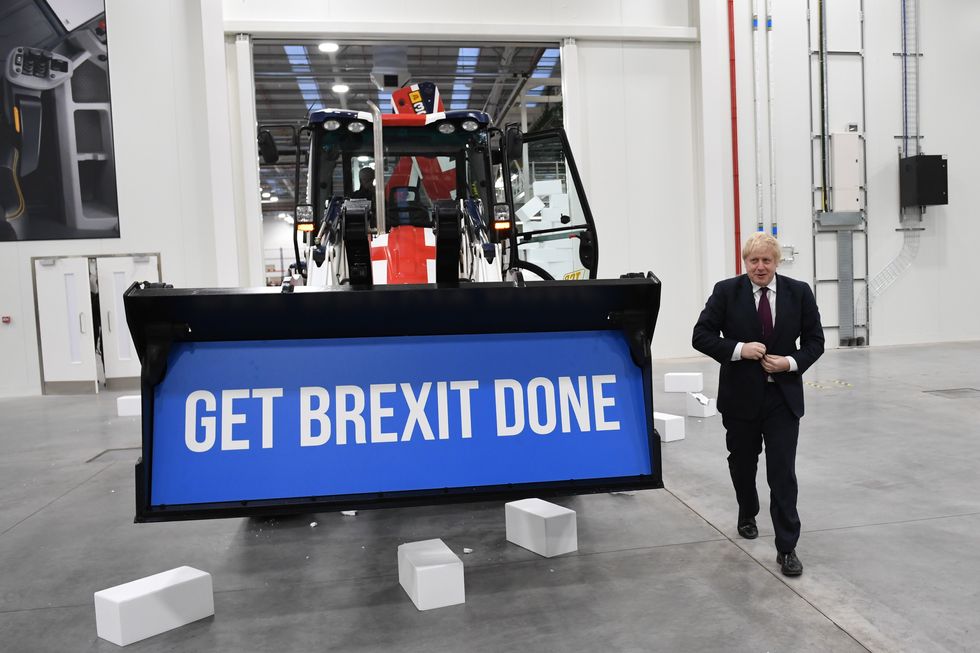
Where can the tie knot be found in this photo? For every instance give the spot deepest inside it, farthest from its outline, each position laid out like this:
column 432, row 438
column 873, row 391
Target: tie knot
column 764, row 290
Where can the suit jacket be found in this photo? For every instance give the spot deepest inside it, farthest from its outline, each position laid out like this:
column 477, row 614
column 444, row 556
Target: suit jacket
column 730, row 316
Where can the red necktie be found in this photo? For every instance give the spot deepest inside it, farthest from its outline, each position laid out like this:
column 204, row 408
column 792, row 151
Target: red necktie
column 765, row 314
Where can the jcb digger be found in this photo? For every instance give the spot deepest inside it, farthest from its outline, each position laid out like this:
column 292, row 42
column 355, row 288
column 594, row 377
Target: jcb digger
column 448, row 341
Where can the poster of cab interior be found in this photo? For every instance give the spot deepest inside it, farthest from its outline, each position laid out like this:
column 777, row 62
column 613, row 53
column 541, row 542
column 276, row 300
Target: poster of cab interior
column 57, row 169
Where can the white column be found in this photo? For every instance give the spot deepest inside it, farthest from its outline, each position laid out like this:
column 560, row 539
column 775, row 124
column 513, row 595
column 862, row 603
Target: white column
column 715, row 151
column 572, row 104
column 241, row 86
column 220, row 188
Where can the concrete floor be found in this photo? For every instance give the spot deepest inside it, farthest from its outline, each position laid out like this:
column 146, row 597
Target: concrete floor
column 889, row 497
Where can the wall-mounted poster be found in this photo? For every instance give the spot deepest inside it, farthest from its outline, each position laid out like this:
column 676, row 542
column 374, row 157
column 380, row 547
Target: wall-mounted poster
column 57, row 169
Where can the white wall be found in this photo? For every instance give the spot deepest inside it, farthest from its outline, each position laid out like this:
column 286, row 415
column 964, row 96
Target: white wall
column 163, row 168
column 937, row 299
column 639, row 173
column 934, row 301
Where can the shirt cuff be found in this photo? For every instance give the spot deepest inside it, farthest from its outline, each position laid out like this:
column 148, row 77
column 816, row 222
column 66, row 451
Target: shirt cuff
column 792, row 364
column 737, row 354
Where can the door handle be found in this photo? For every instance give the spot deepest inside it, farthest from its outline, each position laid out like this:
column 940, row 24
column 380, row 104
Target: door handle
column 81, row 322
column 108, row 320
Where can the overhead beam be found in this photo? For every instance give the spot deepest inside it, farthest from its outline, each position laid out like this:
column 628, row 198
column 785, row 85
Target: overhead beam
column 274, row 24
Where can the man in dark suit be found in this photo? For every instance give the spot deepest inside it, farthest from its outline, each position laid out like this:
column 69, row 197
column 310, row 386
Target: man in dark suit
column 750, row 324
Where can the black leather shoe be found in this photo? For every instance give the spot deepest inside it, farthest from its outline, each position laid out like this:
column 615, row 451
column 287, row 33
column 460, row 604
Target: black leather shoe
column 748, row 529
column 789, row 564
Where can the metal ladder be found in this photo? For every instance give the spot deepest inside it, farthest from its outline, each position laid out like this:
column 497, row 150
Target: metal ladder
column 839, row 225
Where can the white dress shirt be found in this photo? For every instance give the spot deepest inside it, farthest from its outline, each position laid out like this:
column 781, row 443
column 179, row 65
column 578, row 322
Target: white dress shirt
column 771, row 298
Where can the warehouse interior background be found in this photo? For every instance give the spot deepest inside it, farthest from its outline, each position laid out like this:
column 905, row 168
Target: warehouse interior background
column 645, row 99
column 888, row 457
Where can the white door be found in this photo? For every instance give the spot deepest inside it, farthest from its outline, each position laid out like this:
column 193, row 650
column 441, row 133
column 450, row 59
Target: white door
column 64, row 312
column 116, row 274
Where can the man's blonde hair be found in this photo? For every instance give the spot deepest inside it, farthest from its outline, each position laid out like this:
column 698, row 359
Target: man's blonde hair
column 760, row 241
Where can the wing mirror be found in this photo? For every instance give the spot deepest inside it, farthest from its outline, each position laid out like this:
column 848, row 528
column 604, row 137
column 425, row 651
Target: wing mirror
column 267, row 147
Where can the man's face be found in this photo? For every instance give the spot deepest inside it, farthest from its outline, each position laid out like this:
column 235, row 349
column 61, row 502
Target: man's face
column 761, row 266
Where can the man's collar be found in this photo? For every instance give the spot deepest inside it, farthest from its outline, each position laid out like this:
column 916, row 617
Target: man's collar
column 771, row 286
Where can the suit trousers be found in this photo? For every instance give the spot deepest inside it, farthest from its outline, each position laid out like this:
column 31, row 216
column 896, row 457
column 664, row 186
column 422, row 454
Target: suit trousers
column 779, row 429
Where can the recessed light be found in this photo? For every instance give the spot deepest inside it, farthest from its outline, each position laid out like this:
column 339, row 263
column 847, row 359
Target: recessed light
column 328, row 47
column 340, row 88
column 266, row 195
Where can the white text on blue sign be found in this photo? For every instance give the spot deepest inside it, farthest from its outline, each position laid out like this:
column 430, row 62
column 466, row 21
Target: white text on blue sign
column 357, row 414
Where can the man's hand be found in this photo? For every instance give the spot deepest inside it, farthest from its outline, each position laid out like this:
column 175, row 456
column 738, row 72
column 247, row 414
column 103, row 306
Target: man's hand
column 773, row 363
column 753, row 351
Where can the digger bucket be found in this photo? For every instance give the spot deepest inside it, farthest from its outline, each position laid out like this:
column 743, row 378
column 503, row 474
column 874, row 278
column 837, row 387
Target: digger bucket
column 259, row 402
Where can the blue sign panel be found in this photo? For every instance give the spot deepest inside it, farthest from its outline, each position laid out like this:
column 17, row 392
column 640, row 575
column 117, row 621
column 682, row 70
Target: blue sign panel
column 253, row 420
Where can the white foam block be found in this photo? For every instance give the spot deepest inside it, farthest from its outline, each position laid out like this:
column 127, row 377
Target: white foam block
column 530, row 209
column 431, row 574
column 699, row 405
column 670, row 427
column 550, row 216
column 149, row 606
column 683, row 382
column 538, row 257
column 559, row 202
column 547, row 187
column 129, row 405
column 544, row 528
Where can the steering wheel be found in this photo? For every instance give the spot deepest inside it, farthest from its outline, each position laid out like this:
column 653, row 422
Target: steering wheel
column 413, row 214
column 535, row 270
column 404, row 207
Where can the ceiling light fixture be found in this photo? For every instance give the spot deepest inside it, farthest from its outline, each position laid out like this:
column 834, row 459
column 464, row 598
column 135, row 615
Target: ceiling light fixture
column 340, row 88
column 328, row 47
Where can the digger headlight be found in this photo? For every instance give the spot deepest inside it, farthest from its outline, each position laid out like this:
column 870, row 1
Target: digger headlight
column 469, row 125
column 304, row 218
column 447, row 128
column 501, row 225
column 331, row 125
column 501, row 217
column 355, row 127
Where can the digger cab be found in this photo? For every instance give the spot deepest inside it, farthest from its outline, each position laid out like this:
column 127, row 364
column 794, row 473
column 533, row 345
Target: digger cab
column 432, row 165
column 452, row 198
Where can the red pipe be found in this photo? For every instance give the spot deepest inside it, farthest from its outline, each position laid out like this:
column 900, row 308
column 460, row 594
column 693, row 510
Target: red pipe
column 731, row 81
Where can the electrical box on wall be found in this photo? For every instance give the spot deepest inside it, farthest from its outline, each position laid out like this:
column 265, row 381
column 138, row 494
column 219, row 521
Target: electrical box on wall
column 922, row 180
column 847, row 171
